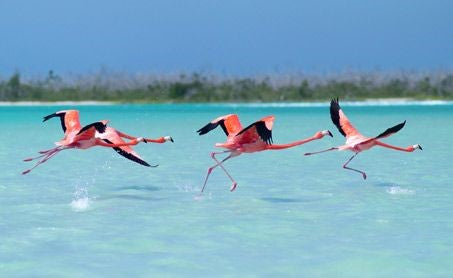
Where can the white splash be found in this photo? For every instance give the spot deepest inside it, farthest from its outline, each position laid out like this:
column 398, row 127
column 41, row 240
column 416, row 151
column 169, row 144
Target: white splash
column 396, row 190
column 81, row 201
column 81, row 204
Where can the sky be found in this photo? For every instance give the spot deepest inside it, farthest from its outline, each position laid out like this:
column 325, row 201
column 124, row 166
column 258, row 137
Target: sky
column 234, row 37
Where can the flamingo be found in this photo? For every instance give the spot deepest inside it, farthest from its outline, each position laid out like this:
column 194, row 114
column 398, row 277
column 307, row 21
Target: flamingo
column 254, row 138
column 355, row 141
column 94, row 134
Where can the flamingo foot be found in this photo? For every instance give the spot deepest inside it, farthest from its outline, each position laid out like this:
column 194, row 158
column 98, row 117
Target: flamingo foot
column 26, row 172
column 233, row 187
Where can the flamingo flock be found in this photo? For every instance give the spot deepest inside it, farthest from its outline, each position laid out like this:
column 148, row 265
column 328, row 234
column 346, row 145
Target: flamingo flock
column 255, row 137
column 94, row 134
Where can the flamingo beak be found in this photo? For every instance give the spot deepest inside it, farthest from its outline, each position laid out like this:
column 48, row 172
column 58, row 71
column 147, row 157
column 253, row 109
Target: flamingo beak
column 144, row 140
column 420, row 147
column 169, row 138
column 330, row 133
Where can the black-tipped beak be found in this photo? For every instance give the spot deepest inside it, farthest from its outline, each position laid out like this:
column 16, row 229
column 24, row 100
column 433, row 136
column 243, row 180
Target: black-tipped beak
column 144, row 140
column 171, row 139
column 330, row 134
column 420, row 147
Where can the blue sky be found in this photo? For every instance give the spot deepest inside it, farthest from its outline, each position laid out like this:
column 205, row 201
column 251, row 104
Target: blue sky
column 225, row 37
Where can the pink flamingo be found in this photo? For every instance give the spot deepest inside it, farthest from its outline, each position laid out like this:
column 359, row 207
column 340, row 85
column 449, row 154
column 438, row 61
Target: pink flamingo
column 355, row 141
column 254, row 138
column 95, row 134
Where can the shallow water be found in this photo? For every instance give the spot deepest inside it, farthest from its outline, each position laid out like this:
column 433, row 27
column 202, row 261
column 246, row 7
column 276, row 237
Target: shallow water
column 94, row 213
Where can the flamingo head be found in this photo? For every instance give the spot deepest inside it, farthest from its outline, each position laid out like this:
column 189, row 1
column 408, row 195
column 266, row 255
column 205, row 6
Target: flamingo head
column 168, row 138
column 326, row 132
column 417, row 146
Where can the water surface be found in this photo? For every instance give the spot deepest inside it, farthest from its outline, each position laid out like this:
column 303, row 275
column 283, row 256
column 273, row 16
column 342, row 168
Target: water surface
column 94, row 213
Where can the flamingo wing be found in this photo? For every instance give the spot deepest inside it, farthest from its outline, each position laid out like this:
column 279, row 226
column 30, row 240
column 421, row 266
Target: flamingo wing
column 89, row 131
column 261, row 129
column 230, row 125
column 69, row 119
column 390, row 131
column 341, row 121
column 111, row 136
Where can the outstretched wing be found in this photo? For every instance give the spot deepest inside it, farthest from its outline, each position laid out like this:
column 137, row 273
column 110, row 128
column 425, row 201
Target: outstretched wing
column 230, row 125
column 390, row 131
column 260, row 130
column 69, row 119
column 89, row 131
column 111, row 136
column 341, row 121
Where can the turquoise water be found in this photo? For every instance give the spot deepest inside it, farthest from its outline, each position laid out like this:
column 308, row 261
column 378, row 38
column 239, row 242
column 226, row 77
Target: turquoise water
column 93, row 213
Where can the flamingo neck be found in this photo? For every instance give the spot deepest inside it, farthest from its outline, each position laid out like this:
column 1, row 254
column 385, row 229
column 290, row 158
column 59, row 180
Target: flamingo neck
column 290, row 145
column 158, row 140
column 408, row 149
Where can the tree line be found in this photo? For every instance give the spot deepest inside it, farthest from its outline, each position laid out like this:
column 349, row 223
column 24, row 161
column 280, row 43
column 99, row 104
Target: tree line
column 210, row 88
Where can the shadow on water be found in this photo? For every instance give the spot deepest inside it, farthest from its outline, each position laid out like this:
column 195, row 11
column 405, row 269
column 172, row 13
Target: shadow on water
column 385, row 184
column 130, row 197
column 140, row 188
column 289, row 200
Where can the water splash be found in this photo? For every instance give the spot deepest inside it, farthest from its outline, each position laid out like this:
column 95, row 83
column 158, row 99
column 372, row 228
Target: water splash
column 396, row 190
column 81, row 204
column 81, row 201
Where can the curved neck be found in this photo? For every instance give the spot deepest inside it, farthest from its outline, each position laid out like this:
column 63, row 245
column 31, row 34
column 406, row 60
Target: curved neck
column 158, row 140
column 408, row 149
column 290, row 145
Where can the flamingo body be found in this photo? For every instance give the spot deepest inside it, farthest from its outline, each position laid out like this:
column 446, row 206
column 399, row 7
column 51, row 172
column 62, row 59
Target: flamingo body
column 254, row 138
column 355, row 141
column 94, row 134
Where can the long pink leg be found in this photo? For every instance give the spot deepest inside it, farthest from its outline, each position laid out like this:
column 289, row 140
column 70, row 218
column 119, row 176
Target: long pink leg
column 345, row 167
column 47, row 151
column 233, row 187
column 44, row 153
column 47, row 157
column 328, row 150
column 212, row 168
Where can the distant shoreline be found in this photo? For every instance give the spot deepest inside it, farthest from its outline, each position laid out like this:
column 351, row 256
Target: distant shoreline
column 366, row 102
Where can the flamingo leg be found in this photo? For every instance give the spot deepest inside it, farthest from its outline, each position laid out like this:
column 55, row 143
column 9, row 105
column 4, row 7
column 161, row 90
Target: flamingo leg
column 212, row 168
column 328, row 150
column 43, row 153
column 358, row 171
column 47, row 151
column 47, row 157
column 233, row 187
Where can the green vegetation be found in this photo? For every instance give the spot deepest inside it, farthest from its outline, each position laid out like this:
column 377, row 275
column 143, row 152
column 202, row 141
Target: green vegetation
column 201, row 88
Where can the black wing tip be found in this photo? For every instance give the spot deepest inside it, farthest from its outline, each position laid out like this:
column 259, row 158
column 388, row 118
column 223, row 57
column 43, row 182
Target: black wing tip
column 334, row 103
column 50, row 116
column 206, row 128
column 391, row 130
column 99, row 126
column 211, row 126
column 264, row 133
column 334, row 114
